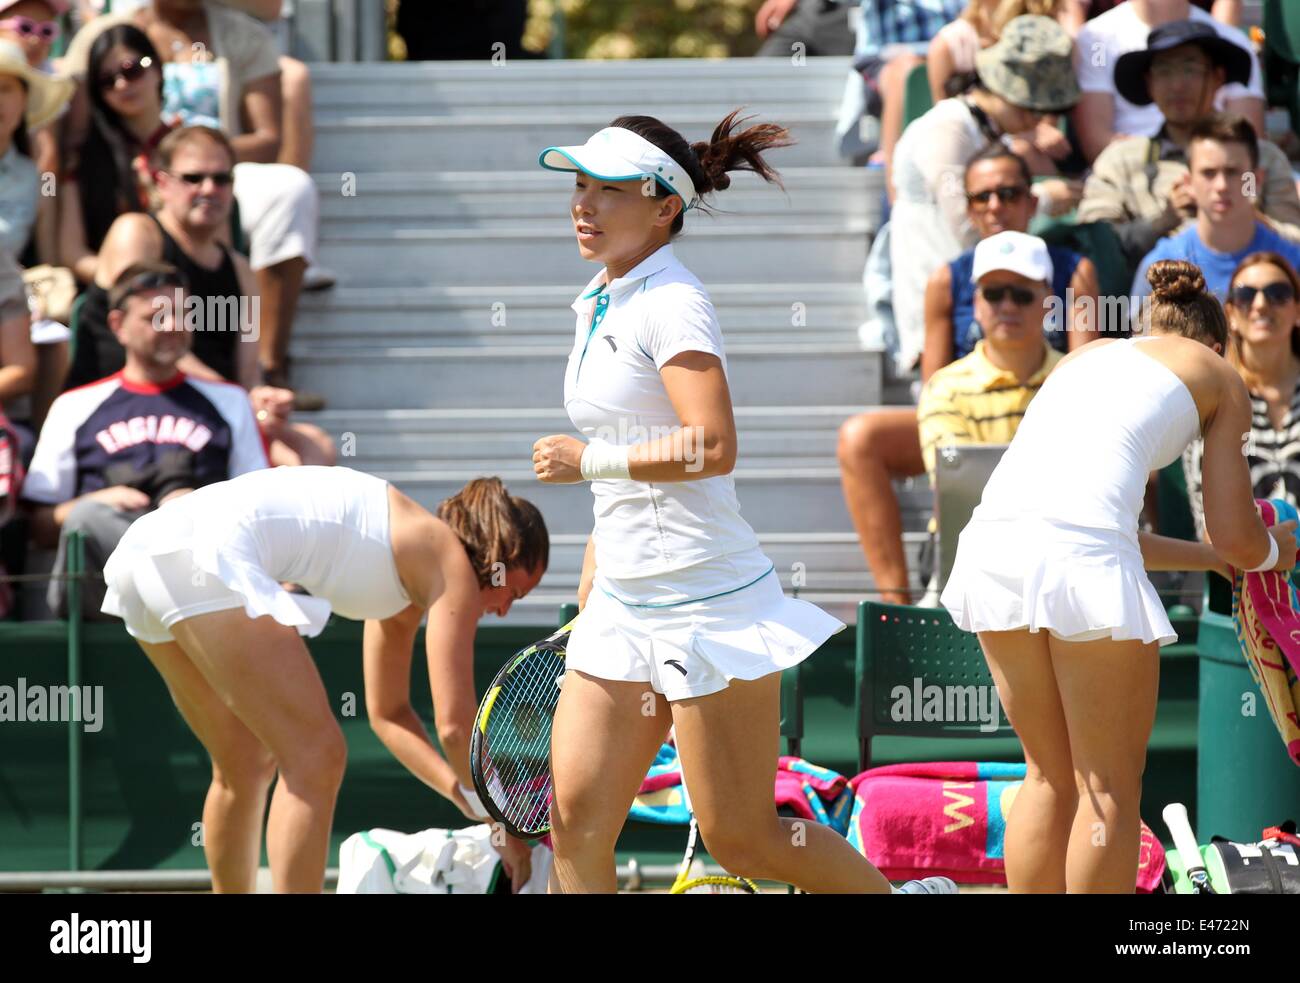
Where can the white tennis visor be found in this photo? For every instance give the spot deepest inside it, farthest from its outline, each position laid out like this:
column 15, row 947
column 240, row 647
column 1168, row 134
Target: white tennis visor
column 616, row 154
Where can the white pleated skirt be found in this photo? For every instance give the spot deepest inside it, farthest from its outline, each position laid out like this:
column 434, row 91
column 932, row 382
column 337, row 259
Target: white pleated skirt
column 698, row 648
column 1076, row 582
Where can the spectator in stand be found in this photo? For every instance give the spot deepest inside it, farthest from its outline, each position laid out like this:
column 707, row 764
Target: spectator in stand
column 297, row 132
column 1264, row 347
column 28, row 99
column 33, row 26
column 220, row 68
column 893, row 38
column 883, row 445
column 1224, row 11
column 980, row 399
column 113, row 450
column 1223, row 155
column 821, row 26
column 193, row 184
column 1142, row 186
column 1104, row 114
column 1027, row 74
column 952, row 55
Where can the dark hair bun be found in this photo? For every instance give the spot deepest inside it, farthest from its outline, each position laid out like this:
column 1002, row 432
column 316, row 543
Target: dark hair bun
column 1175, row 282
column 714, row 159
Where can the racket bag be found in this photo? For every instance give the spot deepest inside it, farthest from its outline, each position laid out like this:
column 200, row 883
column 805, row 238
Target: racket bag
column 435, row 861
column 1266, row 867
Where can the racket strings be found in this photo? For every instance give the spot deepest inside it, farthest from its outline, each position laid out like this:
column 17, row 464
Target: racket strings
column 516, row 747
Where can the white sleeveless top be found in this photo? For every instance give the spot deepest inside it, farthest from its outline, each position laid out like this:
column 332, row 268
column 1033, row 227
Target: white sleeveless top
column 324, row 528
column 1098, row 427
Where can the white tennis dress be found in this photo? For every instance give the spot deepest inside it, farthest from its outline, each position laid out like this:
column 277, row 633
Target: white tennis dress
column 684, row 598
column 232, row 543
column 1053, row 543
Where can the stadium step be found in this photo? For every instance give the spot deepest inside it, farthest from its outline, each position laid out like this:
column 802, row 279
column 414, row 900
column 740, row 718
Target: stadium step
column 476, row 88
column 452, row 314
column 545, row 253
column 502, row 376
column 503, row 198
column 348, row 142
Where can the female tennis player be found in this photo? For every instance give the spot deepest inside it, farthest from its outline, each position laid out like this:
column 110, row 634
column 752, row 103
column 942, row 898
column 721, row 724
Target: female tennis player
column 198, row 583
column 1054, row 544
column 683, row 620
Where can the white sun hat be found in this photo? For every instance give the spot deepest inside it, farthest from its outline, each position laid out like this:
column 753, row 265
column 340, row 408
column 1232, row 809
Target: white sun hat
column 46, row 94
column 617, row 154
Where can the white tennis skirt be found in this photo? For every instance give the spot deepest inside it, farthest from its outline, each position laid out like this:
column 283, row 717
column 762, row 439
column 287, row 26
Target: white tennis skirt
column 1076, row 582
column 172, row 565
column 697, row 648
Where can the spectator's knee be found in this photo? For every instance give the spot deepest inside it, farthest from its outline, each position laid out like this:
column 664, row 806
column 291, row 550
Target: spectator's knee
column 88, row 514
column 295, row 77
column 855, row 439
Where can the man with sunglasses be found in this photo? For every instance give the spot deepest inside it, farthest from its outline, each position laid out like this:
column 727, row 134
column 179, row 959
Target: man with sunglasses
column 1223, row 157
column 123, row 445
column 981, row 399
column 1142, row 186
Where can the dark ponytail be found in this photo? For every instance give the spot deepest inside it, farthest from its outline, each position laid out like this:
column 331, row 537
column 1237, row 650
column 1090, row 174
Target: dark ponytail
column 496, row 527
column 709, row 161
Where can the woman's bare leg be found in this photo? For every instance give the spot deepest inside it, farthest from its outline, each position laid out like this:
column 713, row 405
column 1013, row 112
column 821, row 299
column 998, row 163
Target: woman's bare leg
column 1042, row 815
column 729, row 743
column 1108, row 690
column 263, row 671
column 242, row 771
column 604, row 739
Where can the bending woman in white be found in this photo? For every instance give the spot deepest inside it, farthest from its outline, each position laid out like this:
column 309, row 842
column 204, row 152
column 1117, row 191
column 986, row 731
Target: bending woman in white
column 198, row 584
column 1054, row 544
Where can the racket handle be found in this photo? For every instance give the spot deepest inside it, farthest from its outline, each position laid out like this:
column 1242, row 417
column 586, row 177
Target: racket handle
column 1175, row 816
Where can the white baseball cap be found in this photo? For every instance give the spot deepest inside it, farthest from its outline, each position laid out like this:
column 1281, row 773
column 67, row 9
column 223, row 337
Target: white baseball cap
column 618, row 154
column 1016, row 252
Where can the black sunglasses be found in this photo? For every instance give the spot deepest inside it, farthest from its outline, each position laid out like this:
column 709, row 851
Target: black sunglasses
column 1006, row 194
column 1019, row 295
column 1278, row 292
column 129, row 71
column 145, row 282
column 220, row 178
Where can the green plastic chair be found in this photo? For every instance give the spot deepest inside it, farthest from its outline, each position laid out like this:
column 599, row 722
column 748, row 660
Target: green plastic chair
column 896, row 645
column 916, row 95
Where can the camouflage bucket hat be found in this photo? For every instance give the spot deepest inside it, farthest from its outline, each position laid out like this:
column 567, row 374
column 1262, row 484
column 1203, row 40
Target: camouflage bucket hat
column 1031, row 66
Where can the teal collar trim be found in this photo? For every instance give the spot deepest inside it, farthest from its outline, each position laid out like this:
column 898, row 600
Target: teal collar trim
column 692, row 600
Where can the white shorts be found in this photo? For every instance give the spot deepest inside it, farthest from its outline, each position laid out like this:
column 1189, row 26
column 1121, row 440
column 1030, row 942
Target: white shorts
column 697, row 648
column 154, row 592
column 279, row 211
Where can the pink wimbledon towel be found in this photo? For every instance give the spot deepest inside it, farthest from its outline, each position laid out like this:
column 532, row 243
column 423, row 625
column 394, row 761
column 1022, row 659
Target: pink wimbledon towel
column 949, row 818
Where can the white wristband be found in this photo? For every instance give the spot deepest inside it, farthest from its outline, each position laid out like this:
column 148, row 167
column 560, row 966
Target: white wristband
column 1271, row 560
column 474, row 802
column 603, row 460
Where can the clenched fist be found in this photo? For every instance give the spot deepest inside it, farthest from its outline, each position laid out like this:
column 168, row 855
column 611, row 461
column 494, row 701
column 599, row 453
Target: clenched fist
column 556, row 459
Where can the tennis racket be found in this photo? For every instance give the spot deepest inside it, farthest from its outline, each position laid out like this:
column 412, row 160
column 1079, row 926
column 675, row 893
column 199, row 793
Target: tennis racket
column 704, row 883
column 1175, row 816
column 510, row 749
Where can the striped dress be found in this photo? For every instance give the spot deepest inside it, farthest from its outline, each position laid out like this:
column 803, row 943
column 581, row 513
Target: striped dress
column 1273, row 454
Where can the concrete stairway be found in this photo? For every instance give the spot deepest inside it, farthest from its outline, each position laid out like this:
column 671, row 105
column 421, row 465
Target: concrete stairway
column 442, row 349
